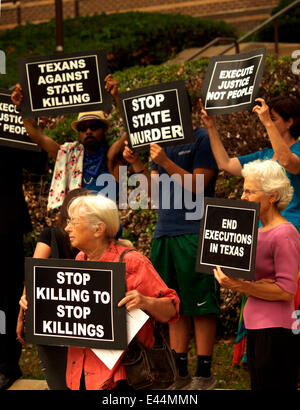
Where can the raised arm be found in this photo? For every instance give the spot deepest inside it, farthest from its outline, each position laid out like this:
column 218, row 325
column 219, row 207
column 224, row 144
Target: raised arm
column 33, row 130
column 224, row 162
column 282, row 151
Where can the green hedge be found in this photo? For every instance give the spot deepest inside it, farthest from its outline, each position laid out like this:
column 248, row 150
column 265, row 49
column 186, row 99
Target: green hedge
column 288, row 25
column 128, row 38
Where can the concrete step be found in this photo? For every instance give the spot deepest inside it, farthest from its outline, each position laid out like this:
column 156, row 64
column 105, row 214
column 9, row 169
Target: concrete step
column 29, row 384
column 284, row 49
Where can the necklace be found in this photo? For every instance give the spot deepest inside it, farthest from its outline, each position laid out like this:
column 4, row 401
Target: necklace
column 88, row 182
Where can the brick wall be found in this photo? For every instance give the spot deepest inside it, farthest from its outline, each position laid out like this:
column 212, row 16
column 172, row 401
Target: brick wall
column 34, row 11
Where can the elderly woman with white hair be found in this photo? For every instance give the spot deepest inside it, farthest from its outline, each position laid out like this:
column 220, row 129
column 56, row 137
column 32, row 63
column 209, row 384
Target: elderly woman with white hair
column 92, row 226
column 268, row 314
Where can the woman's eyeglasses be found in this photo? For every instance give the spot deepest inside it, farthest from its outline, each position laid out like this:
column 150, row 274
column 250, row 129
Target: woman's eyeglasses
column 72, row 222
column 248, row 192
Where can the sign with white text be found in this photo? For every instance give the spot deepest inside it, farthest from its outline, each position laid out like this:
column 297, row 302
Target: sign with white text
column 74, row 303
column 157, row 114
column 64, row 83
column 12, row 130
column 231, row 83
column 228, row 237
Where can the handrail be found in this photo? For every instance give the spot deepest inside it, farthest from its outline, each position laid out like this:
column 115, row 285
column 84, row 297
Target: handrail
column 236, row 42
column 213, row 42
column 262, row 25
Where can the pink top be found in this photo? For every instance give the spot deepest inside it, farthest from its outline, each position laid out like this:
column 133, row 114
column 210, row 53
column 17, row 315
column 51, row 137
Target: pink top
column 277, row 258
column 140, row 274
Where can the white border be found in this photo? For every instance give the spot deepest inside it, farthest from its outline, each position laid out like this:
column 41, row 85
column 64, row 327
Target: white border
column 204, row 224
column 153, row 93
column 73, row 336
column 62, row 106
column 233, row 61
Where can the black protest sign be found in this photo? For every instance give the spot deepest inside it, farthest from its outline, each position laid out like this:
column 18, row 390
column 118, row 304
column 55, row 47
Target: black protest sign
column 231, row 83
column 157, row 114
column 12, row 131
column 74, row 303
column 228, row 237
column 64, row 83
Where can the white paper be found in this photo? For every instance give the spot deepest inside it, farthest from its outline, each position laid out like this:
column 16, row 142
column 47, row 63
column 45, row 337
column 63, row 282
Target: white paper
column 135, row 319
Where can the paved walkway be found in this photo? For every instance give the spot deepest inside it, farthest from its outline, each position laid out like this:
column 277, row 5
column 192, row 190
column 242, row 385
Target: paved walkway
column 284, row 49
column 29, row 384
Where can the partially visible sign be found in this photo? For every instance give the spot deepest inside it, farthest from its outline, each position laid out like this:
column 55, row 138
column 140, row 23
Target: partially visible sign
column 64, row 84
column 228, row 237
column 12, row 130
column 231, row 83
column 74, row 303
column 157, row 114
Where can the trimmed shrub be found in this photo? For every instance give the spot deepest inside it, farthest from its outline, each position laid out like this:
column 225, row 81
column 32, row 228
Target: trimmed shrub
column 128, row 38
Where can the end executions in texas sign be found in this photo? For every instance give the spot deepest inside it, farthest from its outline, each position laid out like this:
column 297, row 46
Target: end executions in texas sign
column 74, row 303
column 228, row 237
column 231, row 83
column 12, row 131
column 157, row 114
column 64, row 83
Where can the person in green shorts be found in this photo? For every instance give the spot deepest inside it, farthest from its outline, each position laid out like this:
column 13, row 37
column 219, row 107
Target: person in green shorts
column 174, row 251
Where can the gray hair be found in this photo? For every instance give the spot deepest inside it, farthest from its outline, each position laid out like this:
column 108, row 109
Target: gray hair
column 99, row 208
column 271, row 176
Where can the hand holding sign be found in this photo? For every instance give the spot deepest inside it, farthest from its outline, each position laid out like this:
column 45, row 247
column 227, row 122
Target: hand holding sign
column 262, row 111
column 158, row 154
column 209, row 120
column 134, row 300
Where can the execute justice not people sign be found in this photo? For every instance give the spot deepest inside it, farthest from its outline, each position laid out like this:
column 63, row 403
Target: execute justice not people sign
column 12, row 131
column 74, row 303
column 231, row 83
column 157, row 114
column 228, row 237
column 64, row 83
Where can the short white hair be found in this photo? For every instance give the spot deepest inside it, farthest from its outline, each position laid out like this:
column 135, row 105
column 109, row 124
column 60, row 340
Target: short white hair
column 99, row 208
column 271, row 176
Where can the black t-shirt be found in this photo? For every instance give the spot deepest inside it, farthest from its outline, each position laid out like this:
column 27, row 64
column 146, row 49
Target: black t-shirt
column 53, row 237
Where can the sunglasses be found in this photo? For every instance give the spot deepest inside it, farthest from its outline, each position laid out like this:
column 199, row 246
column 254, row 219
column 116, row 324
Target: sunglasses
column 93, row 126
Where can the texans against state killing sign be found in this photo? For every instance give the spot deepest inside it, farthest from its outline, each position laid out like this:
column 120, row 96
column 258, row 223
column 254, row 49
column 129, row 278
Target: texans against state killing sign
column 64, row 83
column 228, row 237
column 157, row 114
column 12, row 131
column 231, row 83
column 74, row 303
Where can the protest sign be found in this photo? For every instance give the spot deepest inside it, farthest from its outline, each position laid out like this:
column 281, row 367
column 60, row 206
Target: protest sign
column 228, row 237
column 12, row 131
column 74, row 303
column 157, row 114
column 231, row 83
column 64, row 83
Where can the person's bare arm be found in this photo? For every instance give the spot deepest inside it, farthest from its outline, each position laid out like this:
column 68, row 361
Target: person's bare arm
column 286, row 158
column 224, row 162
column 32, row 128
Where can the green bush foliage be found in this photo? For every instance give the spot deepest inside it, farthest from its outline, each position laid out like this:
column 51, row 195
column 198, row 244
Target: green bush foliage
column 288, row 25
column 129, row 39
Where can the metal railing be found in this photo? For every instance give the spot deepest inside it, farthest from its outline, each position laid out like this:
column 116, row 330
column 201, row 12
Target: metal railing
column 236, row 43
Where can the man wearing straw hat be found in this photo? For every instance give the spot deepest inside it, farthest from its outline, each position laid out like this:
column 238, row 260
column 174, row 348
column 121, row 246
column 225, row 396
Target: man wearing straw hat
column 78, row 163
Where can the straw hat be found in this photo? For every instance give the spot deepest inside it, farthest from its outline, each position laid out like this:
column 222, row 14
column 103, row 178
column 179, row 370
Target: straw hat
column 92, row 115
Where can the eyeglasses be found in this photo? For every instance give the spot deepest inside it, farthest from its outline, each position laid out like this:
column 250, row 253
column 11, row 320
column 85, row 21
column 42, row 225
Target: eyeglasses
column 72, row 222
column 93, row 126
column 248, row 192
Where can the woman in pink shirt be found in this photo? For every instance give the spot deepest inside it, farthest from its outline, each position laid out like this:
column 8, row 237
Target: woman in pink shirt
column 93, row 223
column 269, row 312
